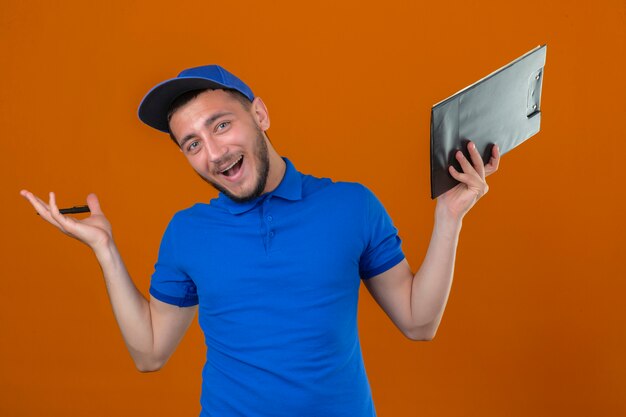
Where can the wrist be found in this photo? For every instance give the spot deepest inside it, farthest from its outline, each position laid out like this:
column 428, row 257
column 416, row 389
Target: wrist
column 447, row 223
column 105, row 250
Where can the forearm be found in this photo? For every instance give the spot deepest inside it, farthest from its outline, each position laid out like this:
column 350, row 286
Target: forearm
column 432, row 283
column 415, row 303
column 131, row 309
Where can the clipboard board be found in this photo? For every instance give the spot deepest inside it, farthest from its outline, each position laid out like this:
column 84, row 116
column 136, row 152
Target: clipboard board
column 503, row 108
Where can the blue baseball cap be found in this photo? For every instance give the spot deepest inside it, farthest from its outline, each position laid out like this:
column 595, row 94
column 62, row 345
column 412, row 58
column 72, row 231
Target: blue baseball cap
column 155, row 105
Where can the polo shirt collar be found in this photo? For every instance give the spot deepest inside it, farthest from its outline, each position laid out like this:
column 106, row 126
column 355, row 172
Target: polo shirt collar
column 289, row 188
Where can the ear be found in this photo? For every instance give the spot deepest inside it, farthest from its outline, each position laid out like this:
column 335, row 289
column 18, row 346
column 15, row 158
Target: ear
column 260, row 114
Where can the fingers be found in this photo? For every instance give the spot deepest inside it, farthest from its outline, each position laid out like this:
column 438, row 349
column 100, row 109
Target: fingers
column 459, row 176
column 465, row 164
column 477, row 160
column 477, row 169
column 40, row 206
column 37, row 203
column 65, row 223
column 94, row 204
column 54, row 210
column 477, row 164
column 494, row 161
column 473, row 176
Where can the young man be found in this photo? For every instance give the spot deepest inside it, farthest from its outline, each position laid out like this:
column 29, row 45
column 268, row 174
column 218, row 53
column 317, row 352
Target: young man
column 273, row 265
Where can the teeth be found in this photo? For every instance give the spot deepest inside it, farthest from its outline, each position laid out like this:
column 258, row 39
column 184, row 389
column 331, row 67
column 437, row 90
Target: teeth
column 231, row 165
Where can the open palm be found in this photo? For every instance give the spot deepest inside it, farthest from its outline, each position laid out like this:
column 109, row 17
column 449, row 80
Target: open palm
column 94, row 230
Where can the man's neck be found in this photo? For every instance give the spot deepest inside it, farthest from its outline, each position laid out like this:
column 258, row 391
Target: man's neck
column 276, row 172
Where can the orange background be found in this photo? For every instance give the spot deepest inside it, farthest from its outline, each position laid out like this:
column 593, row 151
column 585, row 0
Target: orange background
column 535, row 324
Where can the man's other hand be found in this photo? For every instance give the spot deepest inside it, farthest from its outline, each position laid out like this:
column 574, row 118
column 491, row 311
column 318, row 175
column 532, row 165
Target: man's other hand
column 94, row 231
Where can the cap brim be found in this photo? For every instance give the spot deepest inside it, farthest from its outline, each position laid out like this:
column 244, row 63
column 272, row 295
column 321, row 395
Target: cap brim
column 155, row 105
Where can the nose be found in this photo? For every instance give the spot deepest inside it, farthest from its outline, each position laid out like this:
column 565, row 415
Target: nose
column 215, row 149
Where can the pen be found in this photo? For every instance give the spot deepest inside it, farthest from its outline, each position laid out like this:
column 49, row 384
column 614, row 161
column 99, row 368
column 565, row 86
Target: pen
column 73, row 210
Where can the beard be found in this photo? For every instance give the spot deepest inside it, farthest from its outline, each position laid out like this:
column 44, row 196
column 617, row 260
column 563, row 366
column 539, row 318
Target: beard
column 261, row 155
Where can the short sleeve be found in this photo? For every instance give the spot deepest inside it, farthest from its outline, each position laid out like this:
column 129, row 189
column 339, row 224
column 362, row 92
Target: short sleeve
column 384, row 246
column 170, row 283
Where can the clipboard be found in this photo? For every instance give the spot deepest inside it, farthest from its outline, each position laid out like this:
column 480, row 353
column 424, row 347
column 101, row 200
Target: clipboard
column 503, row 108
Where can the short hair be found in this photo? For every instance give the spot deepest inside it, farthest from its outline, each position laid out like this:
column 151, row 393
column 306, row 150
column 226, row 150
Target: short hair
column 185, row 98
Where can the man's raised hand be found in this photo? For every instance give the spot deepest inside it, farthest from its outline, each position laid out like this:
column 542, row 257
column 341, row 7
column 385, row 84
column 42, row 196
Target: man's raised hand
column 94, row 231
column 472, row 184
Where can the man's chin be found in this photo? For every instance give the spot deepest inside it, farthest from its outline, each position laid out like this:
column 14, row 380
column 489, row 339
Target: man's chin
column 237, row 198
column 240, row 198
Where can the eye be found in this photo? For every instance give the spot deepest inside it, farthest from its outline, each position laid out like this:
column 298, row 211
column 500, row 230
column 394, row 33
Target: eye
column 222, row 126
column 193, row 146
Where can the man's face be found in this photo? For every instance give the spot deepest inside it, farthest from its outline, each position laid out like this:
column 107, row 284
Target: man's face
column 224, row 143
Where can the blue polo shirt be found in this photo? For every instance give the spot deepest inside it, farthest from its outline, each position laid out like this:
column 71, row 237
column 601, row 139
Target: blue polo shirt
column 277, row 282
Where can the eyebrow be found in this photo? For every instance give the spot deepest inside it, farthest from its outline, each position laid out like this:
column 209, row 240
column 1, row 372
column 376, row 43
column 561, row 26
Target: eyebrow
column 207, row 122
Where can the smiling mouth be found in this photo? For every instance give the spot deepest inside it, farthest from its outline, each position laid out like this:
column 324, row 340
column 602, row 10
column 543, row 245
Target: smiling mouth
column 233, row 168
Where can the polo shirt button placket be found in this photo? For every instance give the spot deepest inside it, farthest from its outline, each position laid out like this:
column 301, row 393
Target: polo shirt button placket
column 268, row 221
